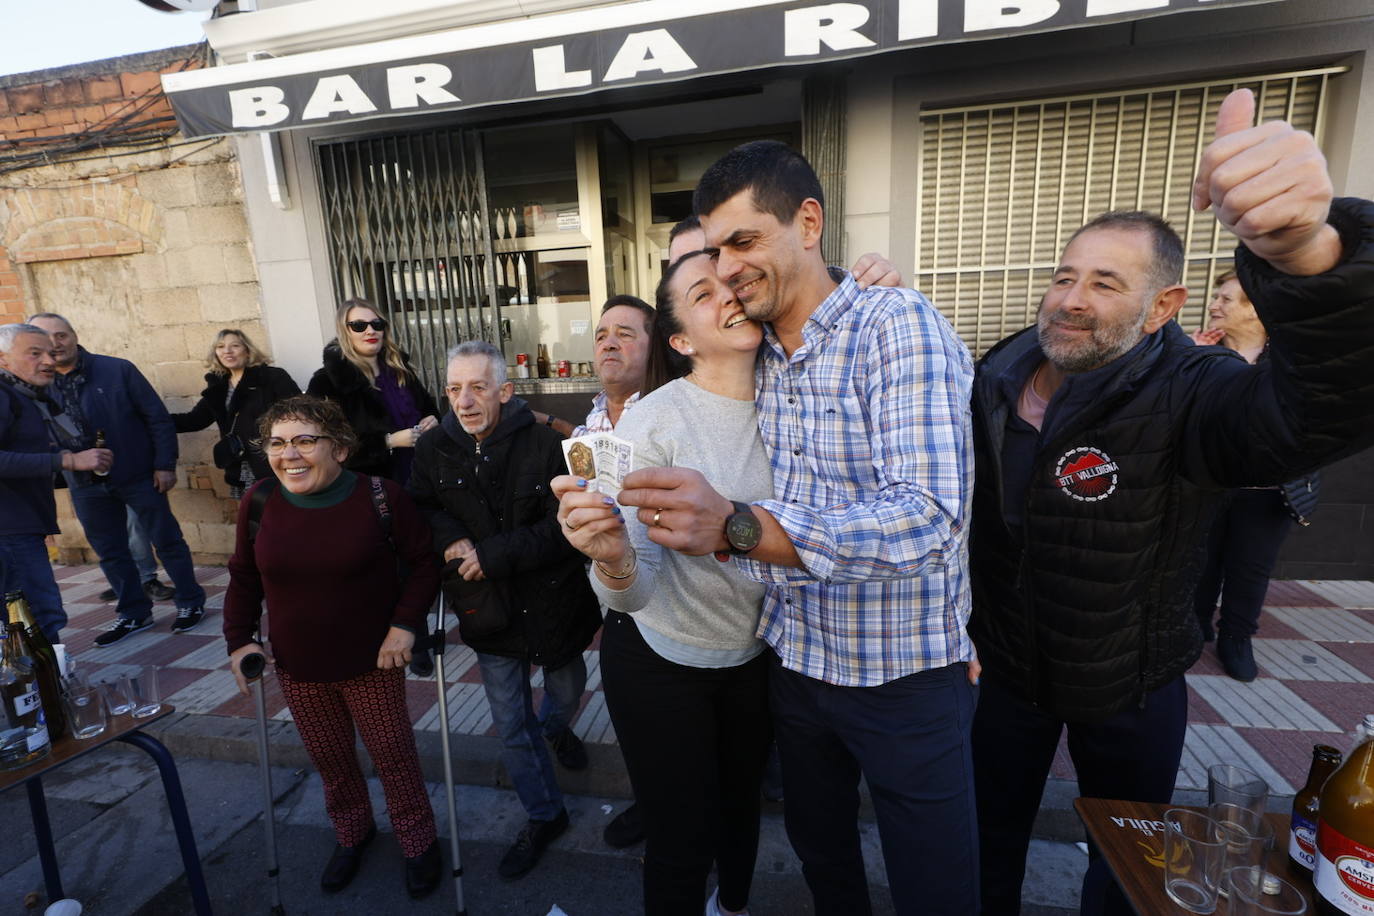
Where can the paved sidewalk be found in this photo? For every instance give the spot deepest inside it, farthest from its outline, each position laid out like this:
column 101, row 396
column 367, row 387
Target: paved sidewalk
column 1315, row 651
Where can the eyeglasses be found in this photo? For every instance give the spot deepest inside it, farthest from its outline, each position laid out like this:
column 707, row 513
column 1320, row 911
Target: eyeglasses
column 358, row 326
column 305, row 445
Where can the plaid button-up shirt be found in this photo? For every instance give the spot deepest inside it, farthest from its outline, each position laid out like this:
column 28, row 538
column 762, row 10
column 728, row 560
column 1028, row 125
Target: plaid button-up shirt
column 868, row 430
column 599, row 419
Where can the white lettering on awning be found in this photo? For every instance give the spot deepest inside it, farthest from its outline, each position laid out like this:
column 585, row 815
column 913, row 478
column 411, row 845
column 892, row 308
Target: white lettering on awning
column 258, row 106
column 917, row 19
column 835, row 25
column 652, row 50
column 551, row 72
column 335, row 94
column 408, row 86
column 980, row 15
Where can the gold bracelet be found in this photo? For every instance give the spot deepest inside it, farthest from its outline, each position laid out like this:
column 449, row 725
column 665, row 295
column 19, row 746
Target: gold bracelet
column 634, row 565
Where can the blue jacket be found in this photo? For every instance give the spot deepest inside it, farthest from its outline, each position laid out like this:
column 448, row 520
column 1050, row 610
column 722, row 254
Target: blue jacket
column 27, row 464
column 138, row 429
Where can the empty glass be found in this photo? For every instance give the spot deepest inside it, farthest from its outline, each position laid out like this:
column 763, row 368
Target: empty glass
column 1253, row 892
column 1232, row 785
column 1249, row 837
column 115, row 693
column 144, row 693
column 85, row 711
column 1194, row 849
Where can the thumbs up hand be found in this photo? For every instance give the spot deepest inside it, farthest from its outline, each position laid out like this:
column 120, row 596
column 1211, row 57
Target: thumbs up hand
column 1269, row 186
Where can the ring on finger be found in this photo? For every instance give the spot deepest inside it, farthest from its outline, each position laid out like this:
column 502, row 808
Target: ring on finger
column 568, row 521
column 657, row 515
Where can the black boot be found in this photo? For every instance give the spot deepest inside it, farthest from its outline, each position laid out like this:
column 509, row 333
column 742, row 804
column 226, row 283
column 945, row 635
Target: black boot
column 1237, row 657
column 343, row 864
column 423, row 872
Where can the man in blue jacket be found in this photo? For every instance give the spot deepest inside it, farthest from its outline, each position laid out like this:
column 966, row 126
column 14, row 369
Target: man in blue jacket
column 109, row 396
column 27, row 465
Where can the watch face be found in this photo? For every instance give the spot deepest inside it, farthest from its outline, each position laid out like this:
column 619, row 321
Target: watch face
column 743, row 531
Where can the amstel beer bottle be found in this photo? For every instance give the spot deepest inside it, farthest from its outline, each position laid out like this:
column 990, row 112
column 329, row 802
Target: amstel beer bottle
column 23, row 731
column 1302, row 834
column 1344, row 876
column 100, row 443
column 44, row 660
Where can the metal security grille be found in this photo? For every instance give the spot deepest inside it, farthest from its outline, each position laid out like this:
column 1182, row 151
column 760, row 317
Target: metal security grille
column 1002, row 187
column 408, row 229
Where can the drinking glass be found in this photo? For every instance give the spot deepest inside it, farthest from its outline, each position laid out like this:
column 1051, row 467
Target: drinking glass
column 86, row 712
column 144, row 693
column 1253, row 892
column 1194, row 849
column 1233, row 785
column 116, row 695
column 1249, row 837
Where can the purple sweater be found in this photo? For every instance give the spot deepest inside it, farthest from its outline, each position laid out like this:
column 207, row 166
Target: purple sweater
column 330, row 581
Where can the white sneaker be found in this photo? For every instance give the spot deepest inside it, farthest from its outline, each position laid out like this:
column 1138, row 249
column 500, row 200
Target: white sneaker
column 713, row 905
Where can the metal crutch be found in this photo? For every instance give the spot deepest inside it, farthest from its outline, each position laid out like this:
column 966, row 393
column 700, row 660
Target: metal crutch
column 252, row 667
column 435, row 643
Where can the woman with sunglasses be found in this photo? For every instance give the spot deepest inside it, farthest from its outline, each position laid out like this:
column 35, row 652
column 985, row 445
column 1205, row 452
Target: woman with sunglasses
column 381, row 395
column 686, row 681
column 342, row 621
column 240, row 385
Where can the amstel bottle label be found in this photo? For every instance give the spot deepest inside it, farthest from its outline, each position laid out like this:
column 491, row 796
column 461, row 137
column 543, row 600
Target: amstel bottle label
column 1302, row 842
column 1345, row 872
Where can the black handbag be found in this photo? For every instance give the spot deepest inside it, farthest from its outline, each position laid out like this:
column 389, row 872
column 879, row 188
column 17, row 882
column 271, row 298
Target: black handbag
column 228, row 450
column 482, row 607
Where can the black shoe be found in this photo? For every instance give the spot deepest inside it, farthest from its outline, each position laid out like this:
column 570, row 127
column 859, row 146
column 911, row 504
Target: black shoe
column 530, row 844
column 343, row 864
column 625, row 829
column 108, row 595
column 187, row 618
column 121, row 628
column 569, row 750
column 421, row 663
column 422, row 872
column 157, row 591
column 1237, row 657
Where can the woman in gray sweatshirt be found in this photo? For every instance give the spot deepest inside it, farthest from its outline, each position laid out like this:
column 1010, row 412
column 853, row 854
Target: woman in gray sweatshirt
column 684, row 675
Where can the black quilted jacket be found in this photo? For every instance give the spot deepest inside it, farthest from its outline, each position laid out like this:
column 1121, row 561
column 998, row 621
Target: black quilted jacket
column 1087, row 604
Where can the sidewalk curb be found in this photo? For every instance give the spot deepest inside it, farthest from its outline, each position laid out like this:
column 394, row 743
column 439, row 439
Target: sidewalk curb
column 477, row 761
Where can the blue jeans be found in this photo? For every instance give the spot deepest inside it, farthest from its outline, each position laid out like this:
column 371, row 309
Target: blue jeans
column 24, row 565
column 103, row 510
column 911, row 740
column 526, row 757
column 140, row 548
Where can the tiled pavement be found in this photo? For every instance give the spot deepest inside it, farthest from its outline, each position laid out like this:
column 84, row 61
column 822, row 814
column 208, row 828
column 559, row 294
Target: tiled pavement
column 1315, row 651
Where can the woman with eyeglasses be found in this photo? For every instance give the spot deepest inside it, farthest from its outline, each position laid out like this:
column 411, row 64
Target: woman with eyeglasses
column 326, row 554
column 366, row 373
column 240, row 385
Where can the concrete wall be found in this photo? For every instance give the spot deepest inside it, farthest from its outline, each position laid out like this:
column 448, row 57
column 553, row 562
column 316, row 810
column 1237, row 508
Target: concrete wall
column 142, row 245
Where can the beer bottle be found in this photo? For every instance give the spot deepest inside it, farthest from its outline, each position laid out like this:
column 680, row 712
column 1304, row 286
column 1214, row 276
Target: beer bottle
column 1302, row 833
column 541, row 362
column 100, row 443
column 23, row 730
column 44, row 660
column 1344, row 876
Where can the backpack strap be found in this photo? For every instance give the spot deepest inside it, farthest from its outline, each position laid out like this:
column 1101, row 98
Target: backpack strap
column 383, row 508
column 257, row 501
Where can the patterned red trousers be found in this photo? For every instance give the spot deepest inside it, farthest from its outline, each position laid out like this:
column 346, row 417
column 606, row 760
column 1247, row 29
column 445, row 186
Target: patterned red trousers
column 375, row 702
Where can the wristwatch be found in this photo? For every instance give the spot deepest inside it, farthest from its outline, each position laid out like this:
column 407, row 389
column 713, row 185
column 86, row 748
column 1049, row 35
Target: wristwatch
column 742, row 529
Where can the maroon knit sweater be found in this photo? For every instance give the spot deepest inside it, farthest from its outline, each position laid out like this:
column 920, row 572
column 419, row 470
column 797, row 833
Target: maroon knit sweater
column 330, row 580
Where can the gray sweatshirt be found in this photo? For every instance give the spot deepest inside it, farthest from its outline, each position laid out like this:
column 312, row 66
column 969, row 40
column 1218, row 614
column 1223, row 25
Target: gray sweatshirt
column 691, row 608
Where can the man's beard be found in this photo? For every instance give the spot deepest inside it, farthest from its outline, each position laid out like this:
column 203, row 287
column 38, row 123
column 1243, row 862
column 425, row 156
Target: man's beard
column 1107, row 341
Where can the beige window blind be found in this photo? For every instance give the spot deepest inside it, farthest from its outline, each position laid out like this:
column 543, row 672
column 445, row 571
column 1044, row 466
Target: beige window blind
column 1002, row 187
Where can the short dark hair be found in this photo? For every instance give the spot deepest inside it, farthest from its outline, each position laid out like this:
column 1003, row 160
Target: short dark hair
column 307, row 408
column 634, row 302
column 686, row 224
column 778, row 176
column 1166, row 267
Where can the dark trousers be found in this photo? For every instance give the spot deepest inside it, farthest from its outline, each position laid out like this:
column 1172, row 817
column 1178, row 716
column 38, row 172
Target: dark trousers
column 694, row 742
column 909, row 738
column 1133, row 755
column 1242, row 548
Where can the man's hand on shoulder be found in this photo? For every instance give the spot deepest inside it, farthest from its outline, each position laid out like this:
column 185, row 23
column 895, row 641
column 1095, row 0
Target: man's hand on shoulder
column 1269, row 185
column 872, row 269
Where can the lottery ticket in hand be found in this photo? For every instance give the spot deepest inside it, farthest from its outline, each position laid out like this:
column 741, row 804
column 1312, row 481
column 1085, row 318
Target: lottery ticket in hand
column 601, row 459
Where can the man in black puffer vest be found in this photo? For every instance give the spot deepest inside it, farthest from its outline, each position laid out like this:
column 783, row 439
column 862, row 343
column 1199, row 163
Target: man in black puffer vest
column 519, row 588
column 1104, row 440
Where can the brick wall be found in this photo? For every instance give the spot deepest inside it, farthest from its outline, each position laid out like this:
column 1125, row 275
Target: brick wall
column 137, row 236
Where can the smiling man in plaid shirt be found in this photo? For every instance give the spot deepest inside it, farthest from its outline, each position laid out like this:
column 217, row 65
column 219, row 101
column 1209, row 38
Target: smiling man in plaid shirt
column 863, row 404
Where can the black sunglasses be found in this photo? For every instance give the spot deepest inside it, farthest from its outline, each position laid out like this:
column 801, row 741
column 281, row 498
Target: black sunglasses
column 377, row 324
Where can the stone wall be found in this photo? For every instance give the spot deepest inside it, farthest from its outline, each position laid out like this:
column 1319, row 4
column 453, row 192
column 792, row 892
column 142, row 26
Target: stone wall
column 141, row 244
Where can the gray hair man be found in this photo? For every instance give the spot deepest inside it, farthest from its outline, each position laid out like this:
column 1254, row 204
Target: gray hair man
column 519, row 589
